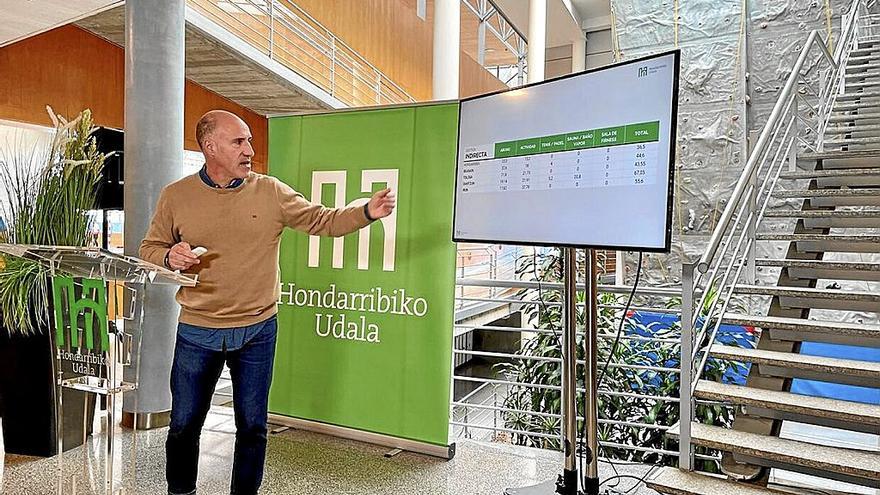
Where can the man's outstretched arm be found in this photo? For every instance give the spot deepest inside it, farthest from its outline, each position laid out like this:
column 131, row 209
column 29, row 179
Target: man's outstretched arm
column 317, row 219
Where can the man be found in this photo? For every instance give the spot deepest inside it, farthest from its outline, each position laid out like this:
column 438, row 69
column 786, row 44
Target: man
column 229, row 317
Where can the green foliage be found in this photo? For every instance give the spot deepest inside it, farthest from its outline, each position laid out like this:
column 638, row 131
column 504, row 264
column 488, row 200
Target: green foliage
column 49, row 191
column 653, row 353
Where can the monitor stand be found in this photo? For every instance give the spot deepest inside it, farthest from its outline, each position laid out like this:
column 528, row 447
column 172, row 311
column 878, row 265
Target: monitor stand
column 567, row 482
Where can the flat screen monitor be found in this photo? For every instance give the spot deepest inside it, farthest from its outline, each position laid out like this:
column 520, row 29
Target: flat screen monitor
column 585, row 160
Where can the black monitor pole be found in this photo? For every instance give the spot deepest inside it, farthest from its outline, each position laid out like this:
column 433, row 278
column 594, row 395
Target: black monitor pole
column 567, row 482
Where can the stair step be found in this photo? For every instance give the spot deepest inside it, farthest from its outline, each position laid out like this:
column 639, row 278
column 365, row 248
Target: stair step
column 865, row 41
column 828, row 270
column 824, row 193
column 801, row 330
column 807, row 297
column 844, row 141
column 849, row 129
column 832, row 413
column 854, row 76
column 830, row 219
column 870, row 158
column 844, row 172
column 841, row 159
column 822, row 214
column 864, row 51
column 834, row 197
column 855, row 116
column 855, row 95
column 862, row 67
column 825, row 243
column 857, row 105
column 672, row 481
column 790, row 365
column 850, row 86
column 859, row 59
column 848, row 465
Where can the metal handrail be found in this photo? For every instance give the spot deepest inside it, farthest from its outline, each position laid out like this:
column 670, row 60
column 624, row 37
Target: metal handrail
column 311, row 49
column 815, row 80
column 528, row 284
column 754, row 157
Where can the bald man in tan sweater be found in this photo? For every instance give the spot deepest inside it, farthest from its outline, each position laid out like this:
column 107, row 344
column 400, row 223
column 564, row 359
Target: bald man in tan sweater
column 229, row 317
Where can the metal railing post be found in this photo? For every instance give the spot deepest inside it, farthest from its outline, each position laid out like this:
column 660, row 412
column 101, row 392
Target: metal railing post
column 792, row 157
column 271, row 29
column 493, row 271
column 686, row 407
column 333, row 66
column 752, row 227
column 378, row 88
column 520, row 62
column 481, row 34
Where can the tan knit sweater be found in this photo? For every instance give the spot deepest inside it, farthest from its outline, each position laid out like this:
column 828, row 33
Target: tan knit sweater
column 241, row 229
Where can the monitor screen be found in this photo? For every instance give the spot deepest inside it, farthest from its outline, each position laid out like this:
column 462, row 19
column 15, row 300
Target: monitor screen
column 585, row 160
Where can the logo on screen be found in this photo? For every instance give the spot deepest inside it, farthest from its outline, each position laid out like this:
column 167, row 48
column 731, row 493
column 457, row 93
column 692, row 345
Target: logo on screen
column 80, row 301
column 369, row 178
column 643, row 71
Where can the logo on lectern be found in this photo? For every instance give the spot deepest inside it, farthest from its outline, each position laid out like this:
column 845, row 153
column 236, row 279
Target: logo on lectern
column 389, row 224
column 81, row 305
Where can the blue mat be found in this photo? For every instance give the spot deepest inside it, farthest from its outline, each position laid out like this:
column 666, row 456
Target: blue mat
column 648, row 324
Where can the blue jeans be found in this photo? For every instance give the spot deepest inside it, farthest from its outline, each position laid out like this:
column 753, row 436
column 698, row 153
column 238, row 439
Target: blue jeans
column 194, row 373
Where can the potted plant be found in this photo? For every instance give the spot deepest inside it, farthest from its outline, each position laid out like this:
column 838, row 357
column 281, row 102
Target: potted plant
column 48, row 194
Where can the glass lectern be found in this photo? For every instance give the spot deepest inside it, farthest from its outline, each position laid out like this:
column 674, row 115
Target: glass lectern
column 97, row 309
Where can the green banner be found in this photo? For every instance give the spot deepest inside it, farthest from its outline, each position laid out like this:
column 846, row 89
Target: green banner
column 365, row 321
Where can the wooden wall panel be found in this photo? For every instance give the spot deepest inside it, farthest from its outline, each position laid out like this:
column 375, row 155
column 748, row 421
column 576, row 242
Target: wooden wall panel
column 393, row 38
column 72, row 69
column 66, row 68
column 388, row 33
column 474, row 79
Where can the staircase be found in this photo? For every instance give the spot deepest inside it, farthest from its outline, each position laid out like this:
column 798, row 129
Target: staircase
column 809, row 203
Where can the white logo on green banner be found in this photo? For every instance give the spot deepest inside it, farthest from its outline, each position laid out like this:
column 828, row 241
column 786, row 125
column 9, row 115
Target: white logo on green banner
column 368, row 178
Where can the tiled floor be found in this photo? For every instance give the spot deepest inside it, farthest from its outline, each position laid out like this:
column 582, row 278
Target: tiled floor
column 300, row 462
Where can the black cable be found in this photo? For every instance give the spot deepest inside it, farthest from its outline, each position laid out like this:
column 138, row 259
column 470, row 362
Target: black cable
column 582, row 437
column 626, row 476
column 628, row 304
column 618, row 477
column 620, row 327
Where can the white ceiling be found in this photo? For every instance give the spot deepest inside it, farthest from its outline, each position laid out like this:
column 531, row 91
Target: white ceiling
column 23, row 18
column 595, row 14
column 562, row 27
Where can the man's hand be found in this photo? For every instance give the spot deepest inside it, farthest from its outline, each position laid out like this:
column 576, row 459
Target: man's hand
column 381, row 204
column 181, row 256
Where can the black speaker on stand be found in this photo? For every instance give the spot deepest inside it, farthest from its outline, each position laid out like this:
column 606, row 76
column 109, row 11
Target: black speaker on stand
column 110, row 188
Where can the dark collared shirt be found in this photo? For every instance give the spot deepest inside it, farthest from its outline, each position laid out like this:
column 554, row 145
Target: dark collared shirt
column 203, row 173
